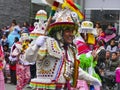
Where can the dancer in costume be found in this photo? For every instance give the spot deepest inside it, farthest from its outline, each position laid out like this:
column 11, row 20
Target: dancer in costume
column 88, row 33
column 88, row 64
column 85, row 55
column 39, row 30
column 57, row 66
column 22, row 67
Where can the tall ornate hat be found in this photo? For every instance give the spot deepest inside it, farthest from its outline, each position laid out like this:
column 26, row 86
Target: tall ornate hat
column 86, row 27
column 38, row 30
column 64, row 20
column 40, row 26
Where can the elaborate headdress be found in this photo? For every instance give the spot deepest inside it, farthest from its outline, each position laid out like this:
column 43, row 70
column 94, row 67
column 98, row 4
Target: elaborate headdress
column 86, row 27
column 67, row 18
column 40, row 26
column 64, row 20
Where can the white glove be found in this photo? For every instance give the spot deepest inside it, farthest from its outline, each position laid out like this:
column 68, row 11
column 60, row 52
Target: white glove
column 96, row 82
column 40, row 40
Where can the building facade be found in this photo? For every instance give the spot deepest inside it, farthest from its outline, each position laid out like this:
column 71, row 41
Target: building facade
column 14, row 9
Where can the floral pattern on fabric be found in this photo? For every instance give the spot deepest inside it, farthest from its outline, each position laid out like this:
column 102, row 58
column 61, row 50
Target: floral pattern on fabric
column 23, row 76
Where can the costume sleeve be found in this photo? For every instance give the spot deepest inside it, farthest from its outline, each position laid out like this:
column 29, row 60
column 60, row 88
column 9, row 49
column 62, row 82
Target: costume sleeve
column 85, row 76
column 31, row 53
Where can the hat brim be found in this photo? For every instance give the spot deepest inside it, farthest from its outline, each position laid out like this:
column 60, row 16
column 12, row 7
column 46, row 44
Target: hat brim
column 58, row 26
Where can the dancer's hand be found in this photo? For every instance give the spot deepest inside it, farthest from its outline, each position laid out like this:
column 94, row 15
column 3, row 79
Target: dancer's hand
column 40, row 40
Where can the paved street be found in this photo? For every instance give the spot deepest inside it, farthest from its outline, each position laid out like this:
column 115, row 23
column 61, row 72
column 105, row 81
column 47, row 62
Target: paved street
column 12, row 87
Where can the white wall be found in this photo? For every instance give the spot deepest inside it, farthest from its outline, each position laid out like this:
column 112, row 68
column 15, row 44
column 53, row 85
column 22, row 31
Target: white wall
column 102, row 4
column 38, row 2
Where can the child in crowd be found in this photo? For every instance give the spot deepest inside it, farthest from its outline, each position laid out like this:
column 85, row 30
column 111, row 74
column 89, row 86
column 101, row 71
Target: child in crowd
column 112, row 47
column 4, row 40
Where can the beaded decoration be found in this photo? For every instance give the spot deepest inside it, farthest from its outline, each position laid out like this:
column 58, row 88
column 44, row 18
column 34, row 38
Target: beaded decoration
column 53, row 48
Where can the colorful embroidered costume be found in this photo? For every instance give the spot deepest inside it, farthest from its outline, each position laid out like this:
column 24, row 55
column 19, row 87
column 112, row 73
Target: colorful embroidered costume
column 22, row 67
column 57, row 66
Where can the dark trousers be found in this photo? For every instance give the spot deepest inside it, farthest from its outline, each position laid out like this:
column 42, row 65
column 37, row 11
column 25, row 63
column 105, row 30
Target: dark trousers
column 33, row 70
column 13, row 77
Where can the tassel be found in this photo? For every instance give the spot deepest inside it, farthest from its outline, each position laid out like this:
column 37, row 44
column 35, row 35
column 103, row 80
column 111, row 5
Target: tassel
column 54, row 8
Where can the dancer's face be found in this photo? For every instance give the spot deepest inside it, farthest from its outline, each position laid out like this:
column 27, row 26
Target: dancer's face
column 68, row 36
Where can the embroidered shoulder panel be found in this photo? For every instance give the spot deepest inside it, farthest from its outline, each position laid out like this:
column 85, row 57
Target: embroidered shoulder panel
column 53, row 48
